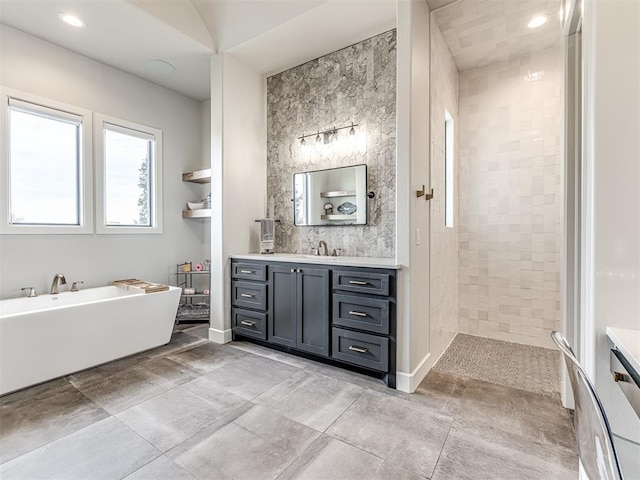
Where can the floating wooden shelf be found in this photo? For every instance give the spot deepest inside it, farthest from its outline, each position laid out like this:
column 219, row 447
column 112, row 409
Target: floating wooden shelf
column 338, row 217
column 197, row 176
column 341, row 193
column 202, row 213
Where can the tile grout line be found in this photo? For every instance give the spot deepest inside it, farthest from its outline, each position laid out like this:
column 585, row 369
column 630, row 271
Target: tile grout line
column 444, row 444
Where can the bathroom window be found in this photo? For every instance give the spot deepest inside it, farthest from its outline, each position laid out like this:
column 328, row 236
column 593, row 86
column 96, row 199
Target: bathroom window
column 48, row 176
column 129, row 166
column 449, row 174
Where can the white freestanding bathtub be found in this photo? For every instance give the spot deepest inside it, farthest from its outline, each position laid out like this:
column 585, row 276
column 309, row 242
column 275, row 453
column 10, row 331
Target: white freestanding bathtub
column 53, row 335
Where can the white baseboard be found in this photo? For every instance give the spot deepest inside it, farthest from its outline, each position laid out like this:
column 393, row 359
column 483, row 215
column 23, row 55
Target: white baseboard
column 219, row 336
column 408, row 382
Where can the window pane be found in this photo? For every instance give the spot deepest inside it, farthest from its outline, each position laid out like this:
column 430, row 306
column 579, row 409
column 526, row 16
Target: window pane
column 128, row 170
column 44, row 161
column 449, row 173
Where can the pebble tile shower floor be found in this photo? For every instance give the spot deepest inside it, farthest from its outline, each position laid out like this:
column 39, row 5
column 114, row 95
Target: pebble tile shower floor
column 532, row 369
column 196, row 410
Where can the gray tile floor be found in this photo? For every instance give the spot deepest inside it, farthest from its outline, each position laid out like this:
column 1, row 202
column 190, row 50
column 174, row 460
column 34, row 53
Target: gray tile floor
column 196, row 410
column 523, row 367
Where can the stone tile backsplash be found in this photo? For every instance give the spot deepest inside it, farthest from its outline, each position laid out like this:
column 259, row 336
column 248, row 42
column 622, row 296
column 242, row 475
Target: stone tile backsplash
column 510, row 200
column 356, row 84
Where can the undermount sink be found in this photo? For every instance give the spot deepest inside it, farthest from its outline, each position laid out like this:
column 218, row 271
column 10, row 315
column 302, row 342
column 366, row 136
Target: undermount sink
column 316, row 257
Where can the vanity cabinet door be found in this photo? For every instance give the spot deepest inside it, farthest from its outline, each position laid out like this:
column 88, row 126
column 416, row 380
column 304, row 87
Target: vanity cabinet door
column 282, row 301
column 299, row 299
column 313, row 311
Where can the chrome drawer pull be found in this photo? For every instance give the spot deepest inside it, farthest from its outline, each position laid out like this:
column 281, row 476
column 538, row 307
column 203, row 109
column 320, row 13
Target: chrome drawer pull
column 357, row 282
column 357, row 314
column 358, row 349
column 246, row 295
column 248, row 324
column 246, row 271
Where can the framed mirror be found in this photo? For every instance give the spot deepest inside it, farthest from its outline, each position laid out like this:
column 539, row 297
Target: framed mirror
column 336, row 196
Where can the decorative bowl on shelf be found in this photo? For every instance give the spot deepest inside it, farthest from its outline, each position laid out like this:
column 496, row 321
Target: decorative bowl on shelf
column 195, row 205
column 347, row 208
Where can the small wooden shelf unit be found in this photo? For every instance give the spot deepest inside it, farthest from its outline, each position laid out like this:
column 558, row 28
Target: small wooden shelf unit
column 197, row 176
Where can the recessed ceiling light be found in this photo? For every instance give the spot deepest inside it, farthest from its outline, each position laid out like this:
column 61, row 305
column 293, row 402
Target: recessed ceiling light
column 538, row 21
column 160, row 67
column 72, row 20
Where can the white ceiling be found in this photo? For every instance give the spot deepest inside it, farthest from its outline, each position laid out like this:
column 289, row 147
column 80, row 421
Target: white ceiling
column 270, row 35
column 329, row 27
column 480, row 32
column 118, row 34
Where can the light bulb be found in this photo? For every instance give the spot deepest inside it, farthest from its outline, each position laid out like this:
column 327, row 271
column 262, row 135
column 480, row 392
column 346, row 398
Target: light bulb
column 72, row 20
column 538, row 21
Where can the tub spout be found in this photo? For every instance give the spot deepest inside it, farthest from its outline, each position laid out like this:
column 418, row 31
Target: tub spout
column 54, row 285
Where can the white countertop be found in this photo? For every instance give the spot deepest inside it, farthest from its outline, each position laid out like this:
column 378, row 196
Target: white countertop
column 370, row 262
column 628, row 343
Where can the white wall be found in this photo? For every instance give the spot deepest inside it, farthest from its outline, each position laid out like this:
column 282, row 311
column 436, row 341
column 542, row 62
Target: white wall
column 40, row 68
column 205, row 152
column 444, row 240
column 611, row 36
column 413, row 213
column 510, row 198
column 239, row 176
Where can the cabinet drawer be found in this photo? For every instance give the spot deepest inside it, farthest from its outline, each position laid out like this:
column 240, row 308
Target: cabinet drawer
column 361, row 349
column 249, row 294
column 363, row 313
column 363, row 282
column 626, row 378
column 251, row 324
column 249, row 271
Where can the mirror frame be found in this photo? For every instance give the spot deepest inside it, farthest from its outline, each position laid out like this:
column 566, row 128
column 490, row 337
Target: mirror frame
column 360, row 197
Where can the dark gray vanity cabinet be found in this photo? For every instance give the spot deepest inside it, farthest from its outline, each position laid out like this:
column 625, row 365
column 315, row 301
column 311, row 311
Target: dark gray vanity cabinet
column 299, row 299
column 363, row 320
column 345, row 315
column 249, row 299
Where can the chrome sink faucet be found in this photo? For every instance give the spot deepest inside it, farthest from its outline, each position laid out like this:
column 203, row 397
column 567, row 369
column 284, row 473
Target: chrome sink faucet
column 54, row 285
column 325, row 249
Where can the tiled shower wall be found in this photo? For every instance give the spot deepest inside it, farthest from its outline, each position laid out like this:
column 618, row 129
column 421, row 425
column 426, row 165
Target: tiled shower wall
column 510, row 204
column 444, row 240
column 356, row 84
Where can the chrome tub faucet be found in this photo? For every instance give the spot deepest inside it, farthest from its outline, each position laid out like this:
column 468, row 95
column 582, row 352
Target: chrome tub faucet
column 54, row 285
column 32, row 291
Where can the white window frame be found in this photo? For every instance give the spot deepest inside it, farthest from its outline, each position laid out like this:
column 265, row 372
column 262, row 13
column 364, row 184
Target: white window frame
column 156, row 177
column 450, row 171
column 85, row 187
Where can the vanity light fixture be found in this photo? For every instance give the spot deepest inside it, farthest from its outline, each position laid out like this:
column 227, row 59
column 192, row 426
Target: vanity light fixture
column 538, row 21
column 330, row 135
column 72, row 20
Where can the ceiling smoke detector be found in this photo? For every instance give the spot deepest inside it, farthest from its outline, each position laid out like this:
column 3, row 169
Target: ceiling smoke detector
column 160, row 67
